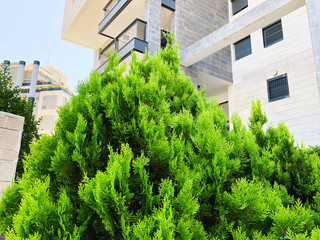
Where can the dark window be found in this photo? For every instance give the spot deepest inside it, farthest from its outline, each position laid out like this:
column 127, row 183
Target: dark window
column 163, row 39
column 243, row 48
column 278, row 88
column 238, row 5
column 272, row 33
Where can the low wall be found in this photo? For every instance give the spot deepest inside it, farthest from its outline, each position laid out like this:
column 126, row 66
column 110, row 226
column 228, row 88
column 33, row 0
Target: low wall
column 11, row 127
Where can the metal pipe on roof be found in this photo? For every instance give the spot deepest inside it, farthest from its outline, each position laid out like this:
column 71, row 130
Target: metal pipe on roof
column 20, row 74
column 34, row 79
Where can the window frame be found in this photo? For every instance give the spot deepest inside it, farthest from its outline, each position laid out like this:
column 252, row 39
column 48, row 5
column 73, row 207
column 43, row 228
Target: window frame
column 276, row 78
column 239, row 10
column 162, row 32
column 265, row 44
column 235, row 48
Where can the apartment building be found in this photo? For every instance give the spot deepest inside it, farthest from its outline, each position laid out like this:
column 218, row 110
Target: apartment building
column 51, row 93
column 240, row 50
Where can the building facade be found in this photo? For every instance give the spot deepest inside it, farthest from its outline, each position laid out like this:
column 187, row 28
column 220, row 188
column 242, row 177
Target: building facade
column 240, row 50
column 51, row 92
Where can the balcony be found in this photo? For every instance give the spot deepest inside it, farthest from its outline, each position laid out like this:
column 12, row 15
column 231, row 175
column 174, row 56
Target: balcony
column 80, row 21
column 133, row 38
column 119, row 14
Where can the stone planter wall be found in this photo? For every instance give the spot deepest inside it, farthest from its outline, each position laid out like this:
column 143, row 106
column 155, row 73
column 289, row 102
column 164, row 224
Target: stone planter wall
column 11, row 127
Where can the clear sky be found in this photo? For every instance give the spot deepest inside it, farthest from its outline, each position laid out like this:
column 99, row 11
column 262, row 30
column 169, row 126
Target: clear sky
column 31, row 30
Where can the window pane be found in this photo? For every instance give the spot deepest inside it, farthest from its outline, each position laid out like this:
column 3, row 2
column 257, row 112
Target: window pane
column 238, row 5
column 278, row 88
column 243, row 48
column 49, row 102
column 272, row 33
column 47, row 123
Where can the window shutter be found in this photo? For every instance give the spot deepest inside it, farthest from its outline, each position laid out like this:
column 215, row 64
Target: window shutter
column 278, row 88
column 272, row 33
column 243, row 48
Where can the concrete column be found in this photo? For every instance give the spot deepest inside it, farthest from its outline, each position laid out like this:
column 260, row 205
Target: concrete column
column 153, row 19
column 11, row 127
column 20, row 74
column 313, row 7
column 34, row 79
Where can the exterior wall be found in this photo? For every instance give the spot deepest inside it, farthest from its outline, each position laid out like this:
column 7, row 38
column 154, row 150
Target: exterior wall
column 153, row 19
column 11, row 127
column 47, row 108
column 313, row 7
column 251, row 4
column 196, row 19
column 71, row 9
column 294, row 56
column 57, row 76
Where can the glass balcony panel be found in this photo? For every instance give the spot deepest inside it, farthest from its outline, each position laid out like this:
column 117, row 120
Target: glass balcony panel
column 103, row 53
column 131, row 39
column 110, row 5
column 135, row 31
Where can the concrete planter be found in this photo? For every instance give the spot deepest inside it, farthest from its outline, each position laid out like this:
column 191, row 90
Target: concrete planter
column 11, row 127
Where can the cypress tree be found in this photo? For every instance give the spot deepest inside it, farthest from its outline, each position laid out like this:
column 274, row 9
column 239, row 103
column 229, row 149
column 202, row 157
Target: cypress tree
column 140, row 153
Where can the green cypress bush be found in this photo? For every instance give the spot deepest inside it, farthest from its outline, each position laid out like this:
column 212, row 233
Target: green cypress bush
column 142, row 154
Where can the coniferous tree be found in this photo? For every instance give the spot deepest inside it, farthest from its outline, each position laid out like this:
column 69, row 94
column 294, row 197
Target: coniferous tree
column 142, row 154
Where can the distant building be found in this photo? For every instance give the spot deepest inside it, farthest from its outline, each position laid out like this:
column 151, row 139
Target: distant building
column 51, row 92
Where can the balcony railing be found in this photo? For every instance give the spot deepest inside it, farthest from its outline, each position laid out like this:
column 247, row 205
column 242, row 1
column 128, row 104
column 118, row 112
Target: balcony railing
column 132, row 38
column 49, row 89
column 38, row 83
column 112, row 10
column 110, row 5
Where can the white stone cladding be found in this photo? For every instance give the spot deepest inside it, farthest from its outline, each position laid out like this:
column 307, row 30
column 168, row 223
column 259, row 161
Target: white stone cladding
column 294, row 56
column 11, row 127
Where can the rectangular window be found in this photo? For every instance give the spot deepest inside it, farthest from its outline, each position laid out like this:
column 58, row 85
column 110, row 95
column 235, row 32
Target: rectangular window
column 278, row 88
column 272, row 33
column 49, row 102
column 163, row 39
column 238, row 5
column 47, row 123
column 243, row 48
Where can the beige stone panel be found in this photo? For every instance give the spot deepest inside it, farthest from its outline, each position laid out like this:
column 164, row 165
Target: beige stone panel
column 11, row 121
column 10, row 139
column 10, row 155
column 7, row 170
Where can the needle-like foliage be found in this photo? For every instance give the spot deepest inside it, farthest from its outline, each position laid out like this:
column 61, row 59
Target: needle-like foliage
column 140, row 153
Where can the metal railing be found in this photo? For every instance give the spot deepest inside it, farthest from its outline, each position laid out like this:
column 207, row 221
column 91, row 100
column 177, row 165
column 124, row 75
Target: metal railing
column 38, row 83
column 49, row 89
column 112, row 10
column 137, row 29
column 109, row 6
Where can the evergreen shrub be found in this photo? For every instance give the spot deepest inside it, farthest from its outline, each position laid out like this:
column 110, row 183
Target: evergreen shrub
column 142, row 154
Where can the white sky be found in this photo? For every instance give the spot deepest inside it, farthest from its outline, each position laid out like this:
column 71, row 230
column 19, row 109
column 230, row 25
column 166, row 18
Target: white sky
column 31, row 30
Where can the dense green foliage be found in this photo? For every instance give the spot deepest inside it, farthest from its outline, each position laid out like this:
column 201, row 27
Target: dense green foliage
column 11, row 102
column 144, row 155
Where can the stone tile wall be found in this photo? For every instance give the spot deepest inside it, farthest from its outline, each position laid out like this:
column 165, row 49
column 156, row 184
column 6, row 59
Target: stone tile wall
column 196, row 19
column 153, row 19
column 11, row 127
column 313, row 7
